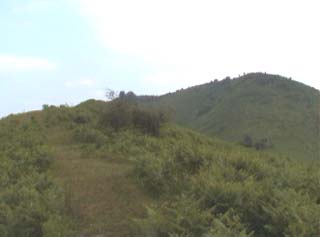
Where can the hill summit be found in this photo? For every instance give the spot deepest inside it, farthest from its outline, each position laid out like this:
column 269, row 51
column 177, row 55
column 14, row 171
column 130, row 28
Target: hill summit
column 256, row 109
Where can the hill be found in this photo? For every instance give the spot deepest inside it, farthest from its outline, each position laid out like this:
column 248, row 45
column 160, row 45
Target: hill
column 118, row 169
column 256, row 107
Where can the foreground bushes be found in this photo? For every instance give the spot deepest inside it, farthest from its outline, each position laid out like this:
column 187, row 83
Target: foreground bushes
column 30, row 202
column 207, row 191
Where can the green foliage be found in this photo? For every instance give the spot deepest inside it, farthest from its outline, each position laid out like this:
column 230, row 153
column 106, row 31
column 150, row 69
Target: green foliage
column 29, row 199
column 148, row 120
column 118, row 115
column 228, row 224
column 67, row 117
column 199, row 186
column 260, row 105
column 219, row 190
column 181, row 218
column 55, row 116
column 123, row 113
column 85, row 134
column 81, row 118
column 166, row 165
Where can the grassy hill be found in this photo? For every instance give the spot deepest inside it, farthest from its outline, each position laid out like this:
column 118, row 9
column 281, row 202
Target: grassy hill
column 117, row 169
column 256, row 105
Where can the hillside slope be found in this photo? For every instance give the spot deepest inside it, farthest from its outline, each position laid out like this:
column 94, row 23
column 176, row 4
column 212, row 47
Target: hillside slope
column 257, row 105
column 117, row 169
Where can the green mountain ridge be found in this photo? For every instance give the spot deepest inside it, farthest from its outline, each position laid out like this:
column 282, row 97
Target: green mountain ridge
column 258, row 105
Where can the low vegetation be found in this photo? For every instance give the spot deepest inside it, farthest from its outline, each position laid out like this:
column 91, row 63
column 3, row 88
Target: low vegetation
column 120, row 169
column 31, row 204
column 228, row 192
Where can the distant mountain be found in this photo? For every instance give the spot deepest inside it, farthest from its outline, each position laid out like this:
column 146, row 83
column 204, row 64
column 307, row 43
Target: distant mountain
column 256, row 108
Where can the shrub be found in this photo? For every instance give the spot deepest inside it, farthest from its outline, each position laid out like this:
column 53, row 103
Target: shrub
column 247, row 141
column 261, row 144
column 55, row 116
column 84, row 134
column 28, row 195
column 124, row 114
column 181, row 218
column 210, row 193
column 118, row 115
column 148, row 121
column 188, row 159
column 81, row 118
column 228, row 224
column 152, row 174
column 45, row 107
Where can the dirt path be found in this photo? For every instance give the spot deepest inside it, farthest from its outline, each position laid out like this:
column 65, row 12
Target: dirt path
column 100, row 195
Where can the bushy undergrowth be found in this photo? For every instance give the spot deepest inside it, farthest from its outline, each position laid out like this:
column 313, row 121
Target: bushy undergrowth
column 201, row 187
column 209, row 188
column 65, row 116
column 31, row 205
column 231, row 192
column 205, row 187
column 86, row 134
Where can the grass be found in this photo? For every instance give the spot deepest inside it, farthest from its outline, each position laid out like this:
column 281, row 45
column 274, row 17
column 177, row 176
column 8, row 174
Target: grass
column 101, row 195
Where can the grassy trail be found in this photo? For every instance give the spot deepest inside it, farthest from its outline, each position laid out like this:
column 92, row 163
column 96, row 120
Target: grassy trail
column 100, row 195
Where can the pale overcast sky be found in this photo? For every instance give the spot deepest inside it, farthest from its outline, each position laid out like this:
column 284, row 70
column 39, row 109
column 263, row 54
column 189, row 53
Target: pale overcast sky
column 67, row 51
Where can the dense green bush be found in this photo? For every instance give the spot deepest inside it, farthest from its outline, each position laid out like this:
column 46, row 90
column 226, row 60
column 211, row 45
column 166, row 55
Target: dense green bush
column 209, row 190
column 30, row 202
column 65, row 116
column 148, row 121
column 54, row 116
column 167, row 168
column 81, row 118
column 122, row 113
column 85, row 134
column 118, row 115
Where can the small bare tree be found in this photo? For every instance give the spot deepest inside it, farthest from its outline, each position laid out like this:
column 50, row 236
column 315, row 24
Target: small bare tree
column 111, row 94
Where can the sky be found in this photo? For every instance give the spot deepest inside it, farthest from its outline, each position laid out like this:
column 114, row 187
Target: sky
column 67, row 51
